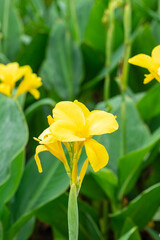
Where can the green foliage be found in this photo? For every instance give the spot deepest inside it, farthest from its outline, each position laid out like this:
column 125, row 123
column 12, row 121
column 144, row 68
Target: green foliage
column 13, row 130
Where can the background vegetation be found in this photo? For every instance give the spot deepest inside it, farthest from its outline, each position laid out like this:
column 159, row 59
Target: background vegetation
column 81, row 51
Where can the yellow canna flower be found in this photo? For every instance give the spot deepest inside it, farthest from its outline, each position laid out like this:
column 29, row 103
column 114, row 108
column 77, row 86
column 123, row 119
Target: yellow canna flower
column 73, row 122
column 74, row 125
column 49, row 143
column 30, row 84
column 9, row 75
column 151, row 63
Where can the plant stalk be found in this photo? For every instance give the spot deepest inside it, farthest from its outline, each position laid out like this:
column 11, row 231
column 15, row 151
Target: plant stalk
column 73, row 220
column 124, row 76
column 109, row 45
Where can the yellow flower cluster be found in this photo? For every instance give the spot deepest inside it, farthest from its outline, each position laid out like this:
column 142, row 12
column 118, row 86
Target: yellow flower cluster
column 74, row 125
column 11, row 73
column 151, row 63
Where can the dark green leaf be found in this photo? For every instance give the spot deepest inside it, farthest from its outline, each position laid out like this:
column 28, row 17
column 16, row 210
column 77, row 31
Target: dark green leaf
column 63, row 69
column 139, row 210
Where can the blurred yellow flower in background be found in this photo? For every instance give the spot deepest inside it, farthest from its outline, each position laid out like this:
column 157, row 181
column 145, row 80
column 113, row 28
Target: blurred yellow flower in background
column 30, row 84
column 151, row 63
column 74, row 125
column 11, row 73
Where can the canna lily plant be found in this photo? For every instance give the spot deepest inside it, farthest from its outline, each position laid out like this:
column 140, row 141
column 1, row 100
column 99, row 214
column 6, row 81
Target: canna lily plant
column 11, row 73
column 73, row 126
column 151, row 63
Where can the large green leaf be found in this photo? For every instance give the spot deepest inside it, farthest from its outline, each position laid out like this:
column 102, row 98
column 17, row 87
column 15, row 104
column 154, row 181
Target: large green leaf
column 33, row 54
column 11, row 28
column 131, row 164
column 145, row 105
column 83, row 8
column 9, row 187
column 63, row 69
column 135, row 134
column 140, row 210
column 14, row 134
column 55, row 213
column 95, row 22
column 37, row 189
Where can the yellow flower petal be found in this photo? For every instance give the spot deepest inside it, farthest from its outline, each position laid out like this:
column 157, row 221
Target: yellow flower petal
column 83, row 171
column 39, row 148
column 97, row 154
column 35, row 93
column 21, row 71
column 50, row 119
column 101, row 122
column 156, row 54
column 29, row 84
column 84, row 109
column 70, row 112
column 65, row 131
column 5, row 89
column 54, row 148
column 57, row 150
column 148, row 78
column 44, row 134
column 141, row 60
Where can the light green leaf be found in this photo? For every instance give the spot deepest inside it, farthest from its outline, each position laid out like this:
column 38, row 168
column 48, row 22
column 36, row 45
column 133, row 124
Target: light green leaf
column 14, row 134
column 63, row 69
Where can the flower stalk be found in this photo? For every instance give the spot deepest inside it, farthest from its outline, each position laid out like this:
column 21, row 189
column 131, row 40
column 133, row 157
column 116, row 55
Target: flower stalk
column 108, row 20
column 73, row 213
column 124, row 76
column 127, row 43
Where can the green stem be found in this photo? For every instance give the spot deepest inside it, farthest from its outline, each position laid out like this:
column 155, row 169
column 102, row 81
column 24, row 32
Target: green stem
column 73, row 20
column 5, row 24
column 158, row 15
column 123, row 120
column 127, row 43
column 109, row 45
column 124, row 77
column 73, row 214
